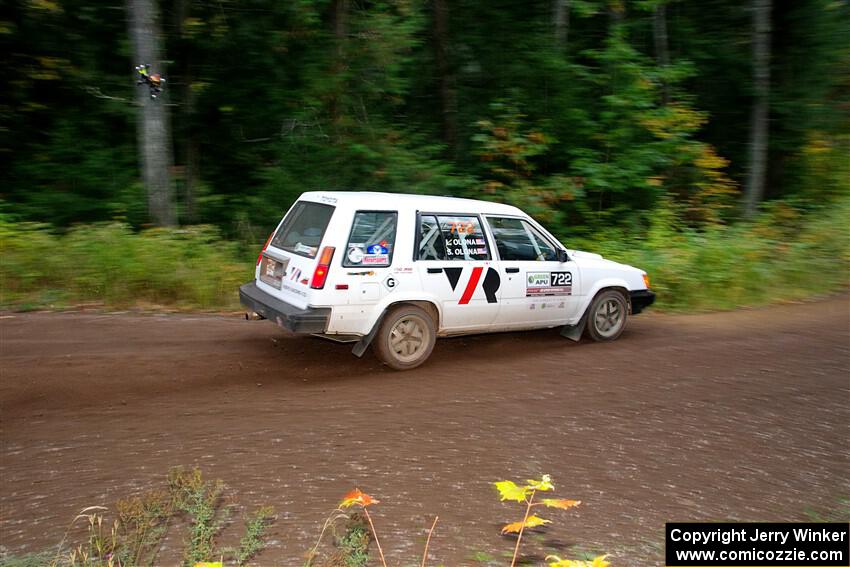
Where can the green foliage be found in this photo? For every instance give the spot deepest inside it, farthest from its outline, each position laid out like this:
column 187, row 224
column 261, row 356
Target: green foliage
column 353, row 545
column 201, row 501
column 252, row 542
column 114, row 266
column 269, row 100
column 142, row 524
column 785, row 254
column 135, row 538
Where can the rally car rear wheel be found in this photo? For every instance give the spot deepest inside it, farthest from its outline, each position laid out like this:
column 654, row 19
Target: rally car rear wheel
column 607, row 316
column 406, row 337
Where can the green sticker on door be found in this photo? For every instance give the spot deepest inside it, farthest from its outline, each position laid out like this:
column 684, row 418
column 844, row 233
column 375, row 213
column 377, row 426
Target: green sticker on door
column 548, row 283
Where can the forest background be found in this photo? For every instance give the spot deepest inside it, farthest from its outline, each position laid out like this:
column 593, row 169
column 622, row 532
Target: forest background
column 707, row 142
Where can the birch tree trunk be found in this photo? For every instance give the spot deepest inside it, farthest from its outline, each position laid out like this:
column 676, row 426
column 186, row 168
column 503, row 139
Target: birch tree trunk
column 561, row 21
column 448, row 96
column 759, row 127
column 153, row 126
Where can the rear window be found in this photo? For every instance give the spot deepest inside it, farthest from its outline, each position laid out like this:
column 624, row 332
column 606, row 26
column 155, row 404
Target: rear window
column 372, row 239
column 302, row 231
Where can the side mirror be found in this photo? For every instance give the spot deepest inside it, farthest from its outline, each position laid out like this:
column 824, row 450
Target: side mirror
column 563, row 256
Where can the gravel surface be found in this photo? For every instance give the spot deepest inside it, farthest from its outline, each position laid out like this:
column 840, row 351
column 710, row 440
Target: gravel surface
column 728, row 416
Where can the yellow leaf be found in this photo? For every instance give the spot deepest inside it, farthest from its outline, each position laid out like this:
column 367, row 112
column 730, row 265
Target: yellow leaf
column 510, row 491
column 560, row 503
column 210, row 564
column 598, row 561
column 545, row 483
column 530, row 522
column 357, row 497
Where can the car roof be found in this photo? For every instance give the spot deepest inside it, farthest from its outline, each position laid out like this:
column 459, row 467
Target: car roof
column 370, row 200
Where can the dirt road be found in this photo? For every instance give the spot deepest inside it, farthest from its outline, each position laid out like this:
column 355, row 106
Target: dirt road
column 730, row 416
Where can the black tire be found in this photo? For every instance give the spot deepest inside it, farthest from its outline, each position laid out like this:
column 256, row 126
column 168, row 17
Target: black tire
column 607, row 316
column 406, row 338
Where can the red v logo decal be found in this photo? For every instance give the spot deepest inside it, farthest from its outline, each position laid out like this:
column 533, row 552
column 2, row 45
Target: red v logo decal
column 471, row 285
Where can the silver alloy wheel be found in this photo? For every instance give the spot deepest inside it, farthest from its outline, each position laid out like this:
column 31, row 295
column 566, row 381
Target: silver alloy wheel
column 408, row 338
column 609, row 318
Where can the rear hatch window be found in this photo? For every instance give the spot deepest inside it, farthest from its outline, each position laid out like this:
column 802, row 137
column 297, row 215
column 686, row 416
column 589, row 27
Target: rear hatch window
column 302, row 231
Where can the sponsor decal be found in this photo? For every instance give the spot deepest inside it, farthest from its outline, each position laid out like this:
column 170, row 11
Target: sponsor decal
column 377, row 248
column 294, row 273
column 376, row 259
column 355, row 254
column 304, row 249
column 548, row 283
column 403, row 269
column 490, row 285
column 367, row 273
column 326, row 199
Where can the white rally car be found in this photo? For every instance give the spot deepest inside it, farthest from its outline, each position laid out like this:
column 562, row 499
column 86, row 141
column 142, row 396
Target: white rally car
column 396, row 271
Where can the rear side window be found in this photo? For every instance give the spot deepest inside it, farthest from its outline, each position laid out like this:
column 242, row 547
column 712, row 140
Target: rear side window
column 303, row 229
column 451, row 237
column 372, row 239
column 518, row 240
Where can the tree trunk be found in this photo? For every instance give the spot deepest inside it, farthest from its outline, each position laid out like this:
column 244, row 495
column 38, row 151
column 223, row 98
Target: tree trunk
column 662, row 51
column 759, row 133
column 561, row 22
column 153, row 129
column 448, row 96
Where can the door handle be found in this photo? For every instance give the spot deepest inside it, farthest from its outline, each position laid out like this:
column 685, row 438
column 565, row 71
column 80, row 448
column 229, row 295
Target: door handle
column 511, row 270
column 435, row 270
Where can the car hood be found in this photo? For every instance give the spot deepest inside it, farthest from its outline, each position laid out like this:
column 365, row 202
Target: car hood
column 589, row 259
column 584, row 255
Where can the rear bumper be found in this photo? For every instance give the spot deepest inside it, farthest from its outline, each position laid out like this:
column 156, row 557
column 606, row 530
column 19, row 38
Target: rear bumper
column 641, row 299
column 289, row 317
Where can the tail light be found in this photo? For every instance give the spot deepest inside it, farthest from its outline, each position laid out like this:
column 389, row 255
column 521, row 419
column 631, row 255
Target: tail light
column 266, row 245
column 321, row 273
column 646, row 281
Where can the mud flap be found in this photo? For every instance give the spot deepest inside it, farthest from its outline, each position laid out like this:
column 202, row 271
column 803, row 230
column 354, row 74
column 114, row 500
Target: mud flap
column 365, row 341
column 574, row 332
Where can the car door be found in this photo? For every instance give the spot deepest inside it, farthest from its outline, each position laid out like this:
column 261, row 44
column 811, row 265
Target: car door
column 455, row 263
column 537, row 288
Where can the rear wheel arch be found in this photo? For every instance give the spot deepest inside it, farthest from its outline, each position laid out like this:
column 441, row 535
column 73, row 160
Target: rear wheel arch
column 405, row 335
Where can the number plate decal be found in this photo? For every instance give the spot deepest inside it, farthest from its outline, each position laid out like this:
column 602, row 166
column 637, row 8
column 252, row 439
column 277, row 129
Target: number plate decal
column 548, row 283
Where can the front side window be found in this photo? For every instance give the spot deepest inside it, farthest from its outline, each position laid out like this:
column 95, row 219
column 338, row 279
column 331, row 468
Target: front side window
column 303, row 228
column 518, row 240
column 372, row 239
column 451, row 237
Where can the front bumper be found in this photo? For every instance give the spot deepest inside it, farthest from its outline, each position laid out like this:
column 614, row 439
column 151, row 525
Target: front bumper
column 289, row 317
column 641, row 299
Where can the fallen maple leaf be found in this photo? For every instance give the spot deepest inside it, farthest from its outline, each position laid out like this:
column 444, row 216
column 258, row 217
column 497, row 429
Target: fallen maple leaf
column 510, row 491
column 357, row 497
column 561, row 503
column 530, row 522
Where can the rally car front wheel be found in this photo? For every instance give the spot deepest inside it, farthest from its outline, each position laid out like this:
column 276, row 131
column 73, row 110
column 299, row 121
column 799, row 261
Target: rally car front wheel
column 607, row 316
column 406, row 337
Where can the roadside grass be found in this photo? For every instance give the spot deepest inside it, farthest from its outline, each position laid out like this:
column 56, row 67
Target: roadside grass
column 136, row 536
column 788, row 253
column 111, row 266
column 783, row 255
